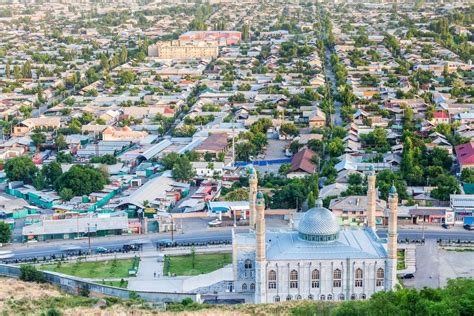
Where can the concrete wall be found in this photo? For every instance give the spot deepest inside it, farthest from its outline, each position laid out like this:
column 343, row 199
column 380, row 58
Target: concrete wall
column 73, row 285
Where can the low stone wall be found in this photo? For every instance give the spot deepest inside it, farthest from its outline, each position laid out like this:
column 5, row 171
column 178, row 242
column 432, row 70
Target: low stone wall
column 74, row 285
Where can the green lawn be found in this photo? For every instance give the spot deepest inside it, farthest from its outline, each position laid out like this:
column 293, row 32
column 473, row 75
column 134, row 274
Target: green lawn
column 203, row 263
column 93, row 270
column 401, row 259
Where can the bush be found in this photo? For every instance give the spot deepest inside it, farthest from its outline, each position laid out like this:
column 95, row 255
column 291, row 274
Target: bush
column 29, row 273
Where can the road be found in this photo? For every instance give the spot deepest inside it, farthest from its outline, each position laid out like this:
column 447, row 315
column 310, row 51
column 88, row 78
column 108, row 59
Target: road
column 336, row 117
column 39, row 250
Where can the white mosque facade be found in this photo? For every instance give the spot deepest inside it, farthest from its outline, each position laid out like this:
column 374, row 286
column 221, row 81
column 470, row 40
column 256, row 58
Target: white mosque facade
column 318, row 261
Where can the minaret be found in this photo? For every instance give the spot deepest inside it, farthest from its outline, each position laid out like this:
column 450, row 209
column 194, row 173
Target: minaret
column 371, row 199
column 392, row 238
column 253, row 183
column 260, row 263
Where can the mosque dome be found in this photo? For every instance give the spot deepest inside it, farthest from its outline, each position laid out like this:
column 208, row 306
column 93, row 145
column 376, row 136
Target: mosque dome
column 318, row 224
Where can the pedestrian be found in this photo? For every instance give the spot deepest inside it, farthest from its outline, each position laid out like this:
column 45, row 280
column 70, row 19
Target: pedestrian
column 154, row 275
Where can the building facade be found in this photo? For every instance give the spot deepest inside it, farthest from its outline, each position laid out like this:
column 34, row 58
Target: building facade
column 182, row 49
column 318, row 261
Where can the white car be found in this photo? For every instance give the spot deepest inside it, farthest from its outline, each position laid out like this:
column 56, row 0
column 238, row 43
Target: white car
column 215, row 222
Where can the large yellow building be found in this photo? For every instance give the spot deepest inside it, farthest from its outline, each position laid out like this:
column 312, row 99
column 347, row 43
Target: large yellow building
column 180, row 49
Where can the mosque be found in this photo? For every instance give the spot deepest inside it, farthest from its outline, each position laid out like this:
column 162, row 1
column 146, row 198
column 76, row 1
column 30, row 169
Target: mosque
column 318, row 261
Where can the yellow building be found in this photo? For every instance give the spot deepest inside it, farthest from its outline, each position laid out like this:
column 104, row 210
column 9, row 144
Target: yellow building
column 184, row 49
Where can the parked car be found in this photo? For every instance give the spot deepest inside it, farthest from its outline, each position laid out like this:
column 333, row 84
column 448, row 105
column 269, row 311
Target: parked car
column 408, row 276
column 445, row 226
column 468, row 227
column 101, row 250
column 215, row 223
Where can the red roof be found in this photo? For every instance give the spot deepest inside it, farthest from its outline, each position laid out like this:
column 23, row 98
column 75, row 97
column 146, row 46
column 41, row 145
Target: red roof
column 440, row 115
column 301, row 161
column 465, row 153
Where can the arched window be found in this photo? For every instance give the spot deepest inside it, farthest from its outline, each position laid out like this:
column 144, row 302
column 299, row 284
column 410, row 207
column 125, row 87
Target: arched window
column 379, row 280
column 252, row 286
column 310, row 297
column 272, row 278
column 329, row 297
column 288, row 298
column 298, row 297
column 276, row 299
column 363, row 296
column 248, row 264
column 359, row 275
column 353, row 297
column 293, row 279
column 341, row 297
column 322, row 297
column 244, row 287
column 337, row 278
column 315, row 279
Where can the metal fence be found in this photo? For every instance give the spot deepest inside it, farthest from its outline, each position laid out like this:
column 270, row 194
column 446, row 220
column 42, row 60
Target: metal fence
column 263, row 162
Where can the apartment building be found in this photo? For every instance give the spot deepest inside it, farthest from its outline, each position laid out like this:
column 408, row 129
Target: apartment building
column 182, row 49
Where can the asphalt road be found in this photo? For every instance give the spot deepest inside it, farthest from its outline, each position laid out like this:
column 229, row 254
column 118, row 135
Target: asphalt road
column 40, row 250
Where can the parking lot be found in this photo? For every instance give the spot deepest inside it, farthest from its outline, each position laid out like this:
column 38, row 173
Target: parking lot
column 434, row 266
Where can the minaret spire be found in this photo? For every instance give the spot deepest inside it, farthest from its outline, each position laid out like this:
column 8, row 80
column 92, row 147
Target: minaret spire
column 253, row 187
column 371, row 199
column 392, row 238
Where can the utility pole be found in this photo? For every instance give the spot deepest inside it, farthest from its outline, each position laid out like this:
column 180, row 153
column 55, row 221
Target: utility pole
column 172, row 230
column 233, row 142
column 89, row 236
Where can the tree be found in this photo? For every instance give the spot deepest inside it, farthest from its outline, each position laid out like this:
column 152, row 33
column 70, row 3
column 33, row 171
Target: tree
column 467, row 175
column 244, row 150
column 407, row 162
column 26, row 70
column 240, row 194
column 245, row 32
column 208, row 156
column 169, row 160
column 7, row 70
column 336, row 147
column 82, row 180
column 60, row 142
column 183, row 169
column 311, row 200
column 5, row 233
column 126, row 77
column 38, row 139
column 123, row 54
column 284, row 169
column 52, row 172
column 20, row 169
column 445, row 185
column 29, row 273
column 66, row 194
column 289, row 129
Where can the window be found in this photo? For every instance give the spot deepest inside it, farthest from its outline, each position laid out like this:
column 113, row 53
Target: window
column 363, row 296
column 272, row 277
column 329, row 297
column 353, row 297
column 293, row 279
column 341, row 297
column 244, row 287
column 248, row 264
column 315, row 279
column 276, row 299
column 379, row 280
column 252, row 286
column 288, row 298
column 337, row 278
column 358, row 278
column 298, row 297
column 310, row 297
column 248, row 268
column 322, row 297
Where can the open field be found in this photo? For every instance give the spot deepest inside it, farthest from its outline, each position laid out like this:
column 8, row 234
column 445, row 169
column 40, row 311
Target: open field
column 203, row 263
column 93, row 269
